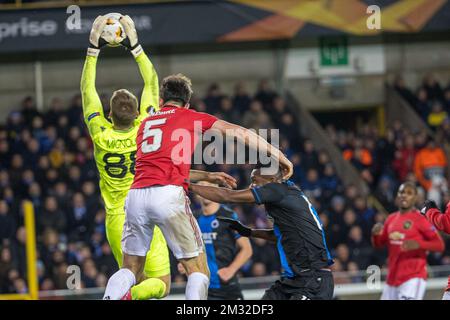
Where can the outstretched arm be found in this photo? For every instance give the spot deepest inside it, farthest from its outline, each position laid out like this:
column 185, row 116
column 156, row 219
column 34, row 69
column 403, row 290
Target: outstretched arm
column 440, row 220
column 92, row 105
column 255, row 142
column 223, row 195
column 220, row 178
column 150, row 93
column 379, row 235
column 266, row 234
column 91, row 101
column 243, row 230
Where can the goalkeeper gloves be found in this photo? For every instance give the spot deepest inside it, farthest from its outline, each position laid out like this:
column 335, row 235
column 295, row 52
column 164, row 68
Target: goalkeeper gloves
column 131, row 42
column 237, row 226
column 428, row 204
column 95, row 40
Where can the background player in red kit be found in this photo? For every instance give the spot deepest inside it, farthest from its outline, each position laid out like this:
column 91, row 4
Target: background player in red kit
column 408, row 236
column 442, row 222
column 166, row 141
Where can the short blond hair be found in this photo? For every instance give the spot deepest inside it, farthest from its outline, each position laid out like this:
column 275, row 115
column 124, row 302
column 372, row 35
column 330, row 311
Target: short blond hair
column 124, row 106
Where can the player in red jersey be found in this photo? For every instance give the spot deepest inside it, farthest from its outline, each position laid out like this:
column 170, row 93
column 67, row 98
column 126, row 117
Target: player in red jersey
column 408, row 236
column 166, row 141
column 442, row 222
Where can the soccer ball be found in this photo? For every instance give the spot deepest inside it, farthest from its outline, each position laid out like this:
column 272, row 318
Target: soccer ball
column 113, row 33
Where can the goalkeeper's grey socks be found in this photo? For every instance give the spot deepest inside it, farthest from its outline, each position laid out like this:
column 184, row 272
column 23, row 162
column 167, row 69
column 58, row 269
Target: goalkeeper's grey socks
column 197, row 286
column 119, row 284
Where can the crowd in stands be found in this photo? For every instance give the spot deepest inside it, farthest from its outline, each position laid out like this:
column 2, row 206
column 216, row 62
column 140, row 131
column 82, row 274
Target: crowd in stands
column 48, row 158
column 431, row 102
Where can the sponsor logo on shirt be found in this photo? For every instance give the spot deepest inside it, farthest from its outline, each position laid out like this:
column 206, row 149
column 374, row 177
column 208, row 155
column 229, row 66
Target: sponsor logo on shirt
column 209, row 237
column 396, row 236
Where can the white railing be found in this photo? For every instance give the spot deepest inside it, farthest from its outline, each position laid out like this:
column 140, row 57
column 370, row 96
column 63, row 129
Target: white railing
column 253, row 288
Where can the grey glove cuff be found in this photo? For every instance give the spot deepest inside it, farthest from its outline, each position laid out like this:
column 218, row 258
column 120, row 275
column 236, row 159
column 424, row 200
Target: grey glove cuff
column 137, row 51
column 93, row 52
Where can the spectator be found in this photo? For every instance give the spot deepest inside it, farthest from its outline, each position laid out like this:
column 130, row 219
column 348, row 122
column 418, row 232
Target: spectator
column 404, row 157
column 213, row 98
column 330, row 182
column 386, row 193
column 432, row 87
column 28, row 110
column 78, row 218
column 437, row 116
column 7, row 224
column 430, row 162
column 312, row 185
column 89, row 274
column 400, row 87
column 241, row 99
column 309, row 157
column 52, row 217
column 266, row 255
column 75, row 112
column 343, row 255
column 422, row 104
column 289, row 129
column 365, row 213
column 256, row 117
column 54, row 112
column 360, row 248
column 5, row 157
column 228, row 111
column 447, row 100
column 265, row 94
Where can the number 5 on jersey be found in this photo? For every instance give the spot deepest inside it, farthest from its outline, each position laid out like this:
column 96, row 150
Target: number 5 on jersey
column 156, row 133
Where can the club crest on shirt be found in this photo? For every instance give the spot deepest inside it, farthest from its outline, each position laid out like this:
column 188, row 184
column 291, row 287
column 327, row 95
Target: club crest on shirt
column 407, row 225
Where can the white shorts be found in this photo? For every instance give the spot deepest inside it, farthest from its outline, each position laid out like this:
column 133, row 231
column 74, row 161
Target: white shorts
column 168, row 208
column 413, row 289
column 446, row 295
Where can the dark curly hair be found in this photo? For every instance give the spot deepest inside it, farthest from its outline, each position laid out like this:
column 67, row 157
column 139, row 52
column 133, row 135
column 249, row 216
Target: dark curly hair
column 176, row 87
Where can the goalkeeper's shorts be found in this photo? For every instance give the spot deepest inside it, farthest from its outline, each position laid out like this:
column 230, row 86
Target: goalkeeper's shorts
column 157, row 262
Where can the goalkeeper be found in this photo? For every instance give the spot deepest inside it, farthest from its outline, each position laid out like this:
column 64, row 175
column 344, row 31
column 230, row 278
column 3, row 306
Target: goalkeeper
column 115, row 149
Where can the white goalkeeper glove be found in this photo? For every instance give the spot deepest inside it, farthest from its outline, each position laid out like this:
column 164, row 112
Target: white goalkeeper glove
column 131, row 42
column 95, row 40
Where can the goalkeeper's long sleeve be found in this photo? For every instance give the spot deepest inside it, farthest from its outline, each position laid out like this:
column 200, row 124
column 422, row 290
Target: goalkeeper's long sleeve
column 92, row 106
column 150, row 93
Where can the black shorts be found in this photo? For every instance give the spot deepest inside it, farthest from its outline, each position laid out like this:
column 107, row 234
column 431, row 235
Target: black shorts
column 234, row 293
column 310, row 285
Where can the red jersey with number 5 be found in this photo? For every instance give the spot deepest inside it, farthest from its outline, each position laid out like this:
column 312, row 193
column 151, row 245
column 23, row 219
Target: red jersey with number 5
column 165, row 142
